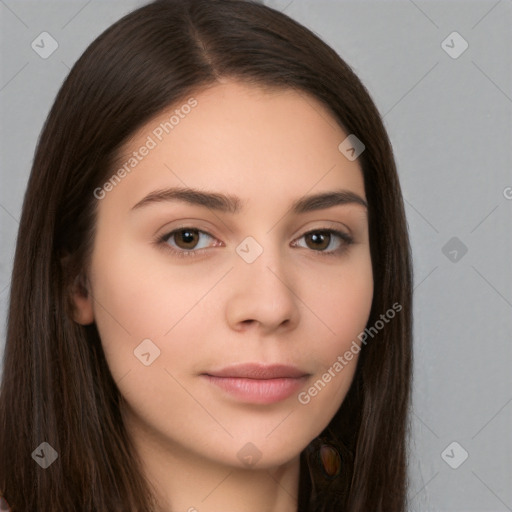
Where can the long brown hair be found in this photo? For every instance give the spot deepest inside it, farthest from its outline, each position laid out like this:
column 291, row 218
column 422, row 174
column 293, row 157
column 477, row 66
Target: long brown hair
column 56, row 385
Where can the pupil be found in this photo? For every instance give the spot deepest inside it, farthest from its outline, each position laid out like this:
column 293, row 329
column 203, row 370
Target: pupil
column 319, row 239
column 187, row 237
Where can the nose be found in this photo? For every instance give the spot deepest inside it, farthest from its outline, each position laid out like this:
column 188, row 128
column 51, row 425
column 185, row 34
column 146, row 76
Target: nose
column 262, row 295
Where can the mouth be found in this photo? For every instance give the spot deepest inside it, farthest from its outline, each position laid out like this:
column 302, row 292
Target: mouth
column 257, row 383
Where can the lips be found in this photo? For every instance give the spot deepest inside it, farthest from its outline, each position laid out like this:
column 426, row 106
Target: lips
column 256, row 383
column 259, row 371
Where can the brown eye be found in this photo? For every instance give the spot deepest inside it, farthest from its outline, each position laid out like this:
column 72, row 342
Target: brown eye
column 319, row 240
column 187, row 241
column 326, row 241
column 185, row 238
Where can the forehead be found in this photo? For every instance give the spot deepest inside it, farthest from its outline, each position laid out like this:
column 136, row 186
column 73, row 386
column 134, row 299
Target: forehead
column 239, row 138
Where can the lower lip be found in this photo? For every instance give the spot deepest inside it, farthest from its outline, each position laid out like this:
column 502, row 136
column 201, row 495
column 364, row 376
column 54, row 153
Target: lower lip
column 258, row 391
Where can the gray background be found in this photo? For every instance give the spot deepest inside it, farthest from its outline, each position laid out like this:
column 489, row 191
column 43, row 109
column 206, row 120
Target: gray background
column 449, row 120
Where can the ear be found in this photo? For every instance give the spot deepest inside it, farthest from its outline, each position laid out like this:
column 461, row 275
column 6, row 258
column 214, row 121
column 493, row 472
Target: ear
column 81, row 299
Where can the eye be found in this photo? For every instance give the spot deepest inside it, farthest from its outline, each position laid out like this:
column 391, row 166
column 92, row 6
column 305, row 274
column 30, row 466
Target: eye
column 184, row 241
column 322, row 239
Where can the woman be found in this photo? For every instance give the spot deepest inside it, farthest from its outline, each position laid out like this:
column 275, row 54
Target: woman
column 211, row 295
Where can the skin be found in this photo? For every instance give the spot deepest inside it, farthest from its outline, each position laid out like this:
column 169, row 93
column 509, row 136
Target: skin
column 292, row 305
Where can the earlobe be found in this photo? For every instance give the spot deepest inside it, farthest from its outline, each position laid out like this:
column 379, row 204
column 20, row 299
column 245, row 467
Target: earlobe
column 81, row 298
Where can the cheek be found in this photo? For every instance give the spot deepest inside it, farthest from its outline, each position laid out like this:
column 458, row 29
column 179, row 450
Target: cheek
column 343, row 302
column 136, row 298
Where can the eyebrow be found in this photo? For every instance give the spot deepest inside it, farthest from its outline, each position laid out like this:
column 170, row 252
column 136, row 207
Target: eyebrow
column 232, row 204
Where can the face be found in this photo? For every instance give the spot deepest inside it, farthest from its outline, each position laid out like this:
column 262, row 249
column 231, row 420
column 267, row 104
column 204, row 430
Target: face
column 225, row 318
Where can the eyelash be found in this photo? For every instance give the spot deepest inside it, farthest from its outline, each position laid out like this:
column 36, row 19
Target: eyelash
column 346, row 240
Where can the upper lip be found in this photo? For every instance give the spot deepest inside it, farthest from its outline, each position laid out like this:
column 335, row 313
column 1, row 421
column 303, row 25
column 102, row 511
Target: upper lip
column 259, row 371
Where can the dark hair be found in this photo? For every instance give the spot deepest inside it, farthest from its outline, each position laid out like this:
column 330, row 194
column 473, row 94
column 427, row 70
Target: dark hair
column 56, row 385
